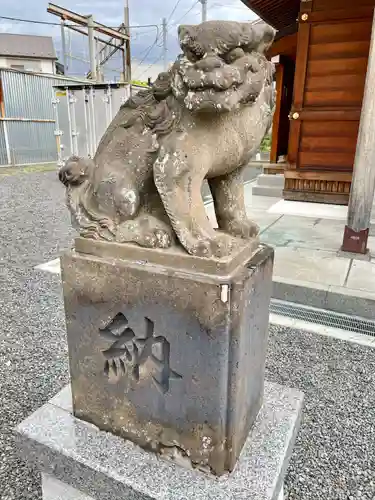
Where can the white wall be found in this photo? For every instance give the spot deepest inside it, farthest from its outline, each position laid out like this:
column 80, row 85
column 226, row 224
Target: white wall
column 48, row 66
column 36, row 65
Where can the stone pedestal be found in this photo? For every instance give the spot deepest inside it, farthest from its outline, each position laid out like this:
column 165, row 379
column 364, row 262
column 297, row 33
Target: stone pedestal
column 168, row 350
column 80, row 462
column 167, row 353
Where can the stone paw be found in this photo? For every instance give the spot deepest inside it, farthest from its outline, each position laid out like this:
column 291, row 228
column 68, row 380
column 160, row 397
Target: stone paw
column 222, row 245
column 163, row 238
column 201, row 248
column 145, row 236
column 217, row 247
column 242, row 228
column 157, row 238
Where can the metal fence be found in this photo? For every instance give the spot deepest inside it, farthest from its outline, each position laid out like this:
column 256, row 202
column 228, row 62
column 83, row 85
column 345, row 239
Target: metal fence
column 83, row 113
column 28, row 128
column 46, row 119
column 3, row 145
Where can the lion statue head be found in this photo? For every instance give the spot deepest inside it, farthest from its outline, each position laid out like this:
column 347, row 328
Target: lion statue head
column 222, row 65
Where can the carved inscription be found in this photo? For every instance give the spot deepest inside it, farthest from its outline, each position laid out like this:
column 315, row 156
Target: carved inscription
column 130, row 352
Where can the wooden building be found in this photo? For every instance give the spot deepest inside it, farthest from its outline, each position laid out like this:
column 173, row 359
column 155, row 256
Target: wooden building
column 321, row 49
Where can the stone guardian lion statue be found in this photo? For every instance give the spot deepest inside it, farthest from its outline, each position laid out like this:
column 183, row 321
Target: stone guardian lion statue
column 204, row 119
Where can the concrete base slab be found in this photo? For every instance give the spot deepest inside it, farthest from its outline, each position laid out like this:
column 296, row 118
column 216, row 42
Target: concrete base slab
column 339, row 299
column 78, row 459
column 315, row 210
column 301, row 232
column 306, row 209
column 271, row 180
column 355, row 256
column 314, row 266
column 271, row 191
column 362, row 276
column 53, row 266
column 269, row 185
column 53, row 489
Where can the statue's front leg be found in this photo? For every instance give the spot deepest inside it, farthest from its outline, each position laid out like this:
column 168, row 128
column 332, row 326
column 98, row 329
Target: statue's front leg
column 179, row 186
column 228, row 194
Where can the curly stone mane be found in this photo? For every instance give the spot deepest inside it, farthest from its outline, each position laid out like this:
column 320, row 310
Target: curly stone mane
column 154, row 107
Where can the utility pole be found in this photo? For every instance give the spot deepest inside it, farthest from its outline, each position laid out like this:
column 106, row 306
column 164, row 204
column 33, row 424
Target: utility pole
column 204, row 10
column 128, row 73
column 63, row 47
column 92, row 47
column 99, row 73
column 165, row 49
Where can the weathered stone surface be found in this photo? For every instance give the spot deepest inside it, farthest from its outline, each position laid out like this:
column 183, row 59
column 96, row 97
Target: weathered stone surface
column 175, row 258
column 204, row 119
column 172, row 359
column 101, row 466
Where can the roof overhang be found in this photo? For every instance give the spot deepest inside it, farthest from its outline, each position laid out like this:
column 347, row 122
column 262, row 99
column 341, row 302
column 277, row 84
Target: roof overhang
column 29, row 57
column 281, row 14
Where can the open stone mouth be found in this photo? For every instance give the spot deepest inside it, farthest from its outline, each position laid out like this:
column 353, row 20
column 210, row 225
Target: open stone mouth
column 194, row 87
column 211, row 88
column 212, row 81
column 227, row 77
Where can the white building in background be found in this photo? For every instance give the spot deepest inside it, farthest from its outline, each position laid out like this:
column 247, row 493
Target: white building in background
column 27, row 53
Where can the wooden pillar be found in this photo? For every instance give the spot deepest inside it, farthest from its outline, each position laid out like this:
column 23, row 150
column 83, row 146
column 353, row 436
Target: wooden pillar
column 276, row 117
column 363, row 183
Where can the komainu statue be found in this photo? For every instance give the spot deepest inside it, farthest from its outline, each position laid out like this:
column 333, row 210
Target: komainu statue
column 203, row 119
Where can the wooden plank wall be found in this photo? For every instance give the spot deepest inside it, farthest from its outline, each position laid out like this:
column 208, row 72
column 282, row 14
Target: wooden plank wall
column 336, row 73
column 332, row 56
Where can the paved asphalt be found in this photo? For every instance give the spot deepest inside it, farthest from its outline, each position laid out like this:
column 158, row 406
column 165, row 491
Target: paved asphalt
column 334, row 456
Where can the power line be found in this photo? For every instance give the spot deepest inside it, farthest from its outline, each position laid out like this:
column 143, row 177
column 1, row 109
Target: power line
column 186, row 13
column 148, row 52
column 229, row 6
column 48, row 23
column 144, row 32
column 156, row 40
column 148, row 67
column 28, row 21
column 174, row 10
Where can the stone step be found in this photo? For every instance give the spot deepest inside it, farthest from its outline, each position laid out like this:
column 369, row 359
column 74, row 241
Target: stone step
column 271, row 180
column 274, row 168
column 274, row 192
